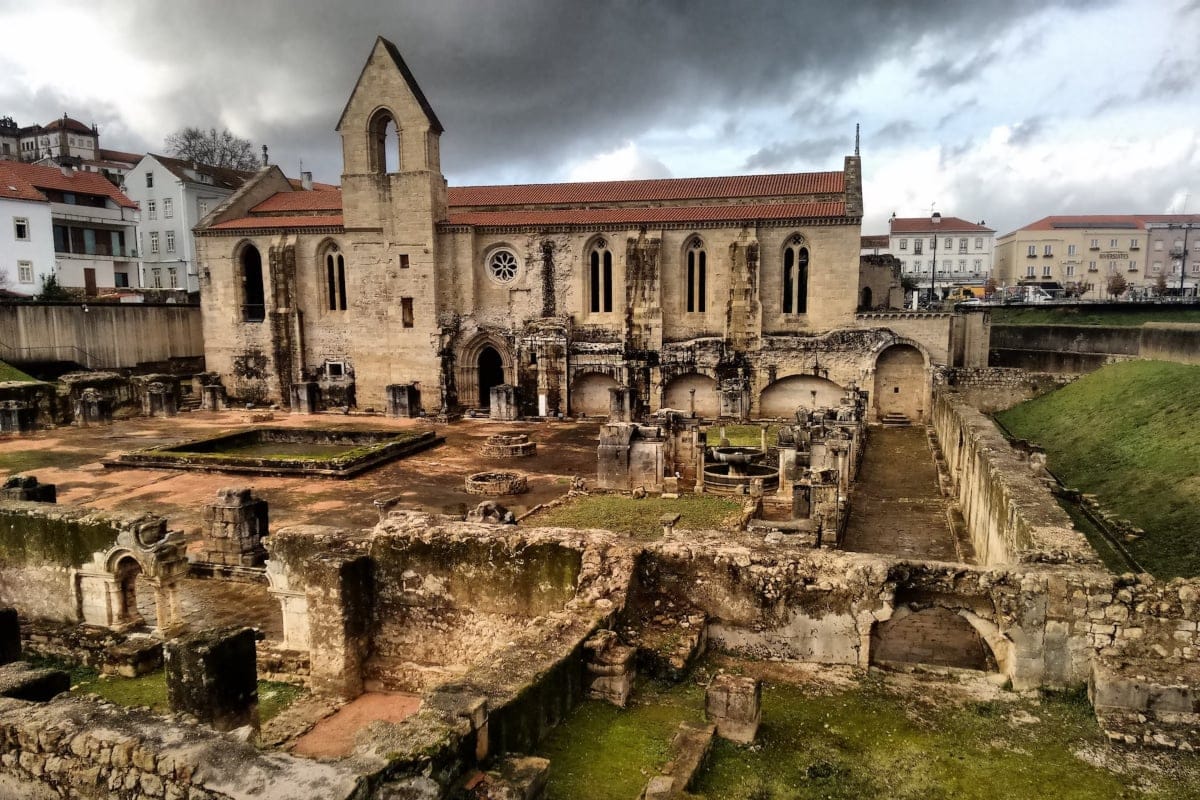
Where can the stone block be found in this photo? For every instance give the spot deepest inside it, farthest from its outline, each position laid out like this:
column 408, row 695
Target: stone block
column 212, row 675
column 234, row 527
column 622, row 402
column 21, row 682
column 17, row 416
column 212, row 397
column 160, row 400
column 403, row 400
column 734, row 705
column 27, row 488
column 504, row 404
column 10, row 636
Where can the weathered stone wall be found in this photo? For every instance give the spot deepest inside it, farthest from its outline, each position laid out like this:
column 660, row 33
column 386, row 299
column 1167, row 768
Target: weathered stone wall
column 78, row 748
column 992, row 389
column 107, row 336
column 1170, row 341
column 1009, row 510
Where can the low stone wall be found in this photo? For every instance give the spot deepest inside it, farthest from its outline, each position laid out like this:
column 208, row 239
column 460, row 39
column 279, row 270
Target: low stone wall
column 1170, row 341
column 1085, row 348
column 992, row 389
column 1003, row 495
column 72, row 747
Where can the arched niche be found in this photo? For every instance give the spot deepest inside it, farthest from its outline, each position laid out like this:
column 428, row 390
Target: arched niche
column 589, row 394
column 901, row 384
column 677, row 394
column 935, row 636
column 784, row 396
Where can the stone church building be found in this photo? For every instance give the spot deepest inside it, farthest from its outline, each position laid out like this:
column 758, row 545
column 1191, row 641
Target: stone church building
column 732, row 296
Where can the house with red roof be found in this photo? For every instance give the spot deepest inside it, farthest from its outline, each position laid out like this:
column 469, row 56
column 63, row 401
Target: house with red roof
column 72, row 224
column 729, row 296
column 940, row 253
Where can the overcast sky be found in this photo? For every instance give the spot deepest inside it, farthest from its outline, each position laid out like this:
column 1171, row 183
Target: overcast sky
column 1001, row 111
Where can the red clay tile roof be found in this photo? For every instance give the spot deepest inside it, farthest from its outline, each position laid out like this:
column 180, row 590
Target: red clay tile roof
column 317, row 187
column 295, row 221
column 224, row 177
column 118, row 155
column 316, row 200
column 1119, row 221
column 923, row 225
column 635, row 216
column 14, row 187
column 719, row 188
column 875, row 240
column 79, row 182
column 73, row 125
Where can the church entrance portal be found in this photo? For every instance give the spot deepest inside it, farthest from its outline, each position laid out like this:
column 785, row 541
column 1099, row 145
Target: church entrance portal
column 491, row 373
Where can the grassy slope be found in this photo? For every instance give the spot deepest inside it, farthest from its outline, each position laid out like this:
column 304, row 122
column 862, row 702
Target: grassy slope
column 11, row 373
column 1083, row 315
column 1129, row 433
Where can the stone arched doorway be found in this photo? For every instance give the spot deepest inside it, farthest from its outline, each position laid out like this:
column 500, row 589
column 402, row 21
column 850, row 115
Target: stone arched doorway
column 901, row 387
column 490, row 372
column 935, row 636
column 589, row 394
column 781, row 399
column 254, row 308
column 678, row 395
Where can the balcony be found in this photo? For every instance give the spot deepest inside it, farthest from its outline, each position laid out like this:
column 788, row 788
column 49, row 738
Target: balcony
column 1177, row 252
column 97, row 251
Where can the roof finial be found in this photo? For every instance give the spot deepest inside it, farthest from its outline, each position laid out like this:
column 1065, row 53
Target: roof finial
column 856, row 130
column 266, row 160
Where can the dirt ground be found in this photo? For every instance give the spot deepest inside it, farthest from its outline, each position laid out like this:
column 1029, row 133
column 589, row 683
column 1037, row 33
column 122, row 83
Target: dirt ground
column 333, row 737
column 431, row 480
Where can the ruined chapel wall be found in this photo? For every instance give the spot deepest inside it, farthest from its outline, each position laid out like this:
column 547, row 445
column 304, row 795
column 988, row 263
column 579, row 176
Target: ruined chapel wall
column 833, row 278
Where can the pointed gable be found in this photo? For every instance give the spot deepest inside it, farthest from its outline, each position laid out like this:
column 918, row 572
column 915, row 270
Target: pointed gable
column 386, row 50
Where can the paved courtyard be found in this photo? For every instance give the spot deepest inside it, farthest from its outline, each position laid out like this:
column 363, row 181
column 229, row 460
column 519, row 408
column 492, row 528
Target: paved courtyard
column 896, row 507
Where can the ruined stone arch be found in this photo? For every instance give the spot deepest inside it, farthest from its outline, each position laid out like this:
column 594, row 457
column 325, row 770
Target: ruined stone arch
column 250, row 281
column 694, row 262
column 486, row 360
column 900, row 380
column 677, row 394
column 384, row 153
column 589, row 393
column 941, row 634
column 780, row 399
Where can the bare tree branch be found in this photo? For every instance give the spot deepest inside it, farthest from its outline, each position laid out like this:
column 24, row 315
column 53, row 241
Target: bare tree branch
column 212, row 148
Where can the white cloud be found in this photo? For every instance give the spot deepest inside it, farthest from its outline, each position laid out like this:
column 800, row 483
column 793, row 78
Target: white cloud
column 625, row 163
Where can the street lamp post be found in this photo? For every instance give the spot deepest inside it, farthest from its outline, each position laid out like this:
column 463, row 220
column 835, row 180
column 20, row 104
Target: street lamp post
column 934, row 221
column 1187, row 229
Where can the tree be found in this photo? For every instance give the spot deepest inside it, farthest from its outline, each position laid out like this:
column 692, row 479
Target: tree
column 1160, row 285
column 51, row 289
column 990, row 287
column 213, row 149
column 1116, row 284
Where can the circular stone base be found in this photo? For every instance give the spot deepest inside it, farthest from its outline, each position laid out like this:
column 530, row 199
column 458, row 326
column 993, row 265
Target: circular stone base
column 496, row 483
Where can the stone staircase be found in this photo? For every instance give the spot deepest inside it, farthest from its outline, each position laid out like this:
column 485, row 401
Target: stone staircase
column 894, row 419
column 189, row 402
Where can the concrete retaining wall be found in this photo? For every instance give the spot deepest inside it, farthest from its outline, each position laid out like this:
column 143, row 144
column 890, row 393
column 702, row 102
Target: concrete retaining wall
column 99, row 336
column 1085, row 348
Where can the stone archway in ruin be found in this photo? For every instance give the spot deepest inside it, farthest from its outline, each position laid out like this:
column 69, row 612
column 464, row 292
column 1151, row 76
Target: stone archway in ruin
column 678, row 395
column 939, row 636
column 901, row 383
column 490, row 370
column 781, row 399
column 589, row 394
column 483, row 362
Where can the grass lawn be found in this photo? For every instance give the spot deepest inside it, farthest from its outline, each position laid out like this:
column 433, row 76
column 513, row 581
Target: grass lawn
column 639, row 518
column 11, row 373
column 742, row 435
column 867, row 741
column 1084, row 315
column 1130, row 434
column 151, row 689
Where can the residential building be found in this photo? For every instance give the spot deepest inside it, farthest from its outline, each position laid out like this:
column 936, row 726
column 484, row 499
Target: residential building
column 963, row 251
column 875, row 245
column 91, row 226
column 174, row 196
column 1079, row 254
column 1173, row 251
column 26, row 235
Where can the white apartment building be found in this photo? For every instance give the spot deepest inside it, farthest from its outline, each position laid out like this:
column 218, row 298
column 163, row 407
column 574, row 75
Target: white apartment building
column 942, row 252
column 26, row 238
column 174, row 195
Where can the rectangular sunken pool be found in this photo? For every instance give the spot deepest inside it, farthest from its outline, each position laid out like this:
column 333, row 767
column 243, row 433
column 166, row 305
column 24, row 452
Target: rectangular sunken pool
column 335, row 453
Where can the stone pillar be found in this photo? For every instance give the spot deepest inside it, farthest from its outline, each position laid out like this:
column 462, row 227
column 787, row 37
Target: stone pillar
column 10, row 636
column 734, row 705
column 234, row 527
column 160, row 400
column 305, row 397
column 339, row 619
column 621, row 401
column 212, row 675
column 212, row 397
column 504, row 403
column 787, row 470
column 403, row 400
column 610, row 668
column 93, row 408
column 17, row 416
column 27, row 488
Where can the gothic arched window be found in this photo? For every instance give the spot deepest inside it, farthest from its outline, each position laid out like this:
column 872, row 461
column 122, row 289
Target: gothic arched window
column 600, row 275
column 795, row 276
column 335, row 279
column 697, row 276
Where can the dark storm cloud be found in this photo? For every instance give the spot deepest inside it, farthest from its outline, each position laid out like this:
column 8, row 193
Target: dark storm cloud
column 946, row 73
column 781, row 156
column 895, row 132
column 524, row 85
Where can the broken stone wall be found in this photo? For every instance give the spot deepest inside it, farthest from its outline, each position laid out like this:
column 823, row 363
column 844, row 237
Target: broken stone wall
column 992, row 389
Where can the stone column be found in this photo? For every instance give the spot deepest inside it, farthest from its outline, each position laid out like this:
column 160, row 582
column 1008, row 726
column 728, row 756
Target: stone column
column 234, row 527
column 27, row 488
column 160, row 400
column 504, row 403
column 17, row 416
column 93, row 408
column 212, row 397
column 621, row 403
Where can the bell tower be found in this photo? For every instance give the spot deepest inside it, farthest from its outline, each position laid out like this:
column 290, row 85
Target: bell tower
column 391, row 161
